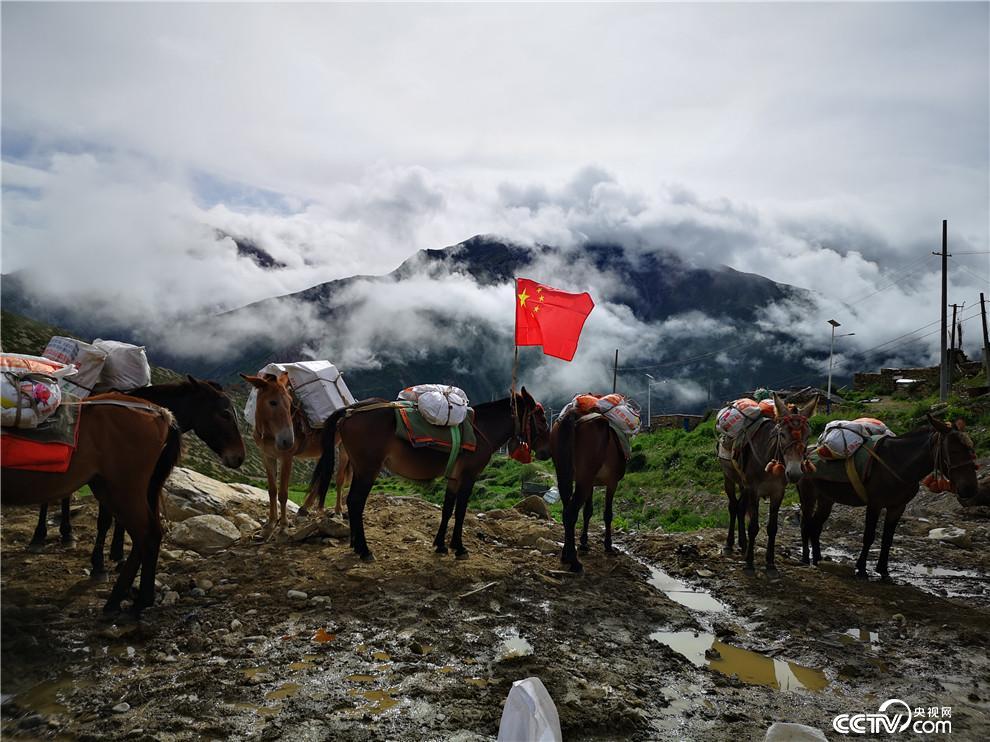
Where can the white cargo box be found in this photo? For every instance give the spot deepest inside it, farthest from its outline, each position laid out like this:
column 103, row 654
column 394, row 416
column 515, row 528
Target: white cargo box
column 318, row 386
column 87, row 359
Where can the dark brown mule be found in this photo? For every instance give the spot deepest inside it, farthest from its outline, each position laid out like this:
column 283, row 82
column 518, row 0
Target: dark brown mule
column 282, row 433
column 783, row 441
column 126, row 449
column 200, row 406
column 585, row 453
column 368, row 434
column 909, row 458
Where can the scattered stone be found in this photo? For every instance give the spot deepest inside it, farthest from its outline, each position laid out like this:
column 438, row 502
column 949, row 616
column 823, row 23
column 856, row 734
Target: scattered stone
column 122, row 708
column 204, row 584
column 188, row 494
column 245, row 524
column 899, row 618
column 171, row 598
column 198, row 592
column 205, row 534
column 296, row 595
column 547, row 546
column 417, row 647
column 320, row 599
column 533, row 505
column 235, row 625
column 705, row 573
column 952, row 535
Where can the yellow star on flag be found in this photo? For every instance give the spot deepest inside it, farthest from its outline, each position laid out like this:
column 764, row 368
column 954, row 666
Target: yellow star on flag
column 523, row 297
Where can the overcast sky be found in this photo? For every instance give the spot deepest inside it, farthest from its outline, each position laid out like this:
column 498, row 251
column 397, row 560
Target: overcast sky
column 817, row 144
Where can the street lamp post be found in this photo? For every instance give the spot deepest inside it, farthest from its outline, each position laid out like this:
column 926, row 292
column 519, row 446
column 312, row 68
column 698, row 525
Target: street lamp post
column 831, row 353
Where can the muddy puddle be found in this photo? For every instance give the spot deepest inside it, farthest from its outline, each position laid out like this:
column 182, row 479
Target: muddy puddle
column 942, row 581
column 705, row 650
column 695, row 598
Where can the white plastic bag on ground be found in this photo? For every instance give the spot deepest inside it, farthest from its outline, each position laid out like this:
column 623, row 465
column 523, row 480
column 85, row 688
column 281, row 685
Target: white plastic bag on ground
column 29, row 389
column 126, row 366
column 842, row 438
column 88, row 360
column 318, row 386
column 782, row 731
column 438, row 404
column 529, row 715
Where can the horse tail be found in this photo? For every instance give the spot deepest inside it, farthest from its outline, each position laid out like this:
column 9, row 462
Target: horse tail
column 319, row 483
column 167, row 460
column 564, row 460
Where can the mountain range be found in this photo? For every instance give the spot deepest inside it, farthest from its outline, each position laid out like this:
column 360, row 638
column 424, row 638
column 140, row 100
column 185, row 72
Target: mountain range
column 715, row 315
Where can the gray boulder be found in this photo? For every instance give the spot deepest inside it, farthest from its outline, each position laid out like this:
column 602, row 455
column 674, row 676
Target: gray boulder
column 205, row 534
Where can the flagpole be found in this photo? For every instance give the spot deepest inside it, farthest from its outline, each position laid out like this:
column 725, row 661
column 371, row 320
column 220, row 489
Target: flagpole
column 515, row 362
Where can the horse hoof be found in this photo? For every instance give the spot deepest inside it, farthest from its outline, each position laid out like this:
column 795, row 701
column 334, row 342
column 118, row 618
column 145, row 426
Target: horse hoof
column 577, row 567
column 368, row 557
column 461, row 555
column 862, row 577
column 302, row 513
column 583, row 548
column 443, row 550
column 609, row 550
column 804, row 562
column 69, row 543
column 749, row 571
column 100, row 576
column 111, row 611
column 36, row 548
column 885, row 578
column 773, row 573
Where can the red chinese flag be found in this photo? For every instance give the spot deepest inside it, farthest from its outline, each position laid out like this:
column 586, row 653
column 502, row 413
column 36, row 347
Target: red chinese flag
column 549, row 317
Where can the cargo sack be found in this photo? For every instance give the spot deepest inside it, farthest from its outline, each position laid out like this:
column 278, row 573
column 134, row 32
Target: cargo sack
column 842, row 438
column 126, row 366
column 622, row 413
column 29, row 389
column 439, row 404
column 88, row 360
column 317, row 385
column 734, row 419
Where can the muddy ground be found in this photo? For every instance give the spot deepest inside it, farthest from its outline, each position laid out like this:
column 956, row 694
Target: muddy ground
column 418, row 646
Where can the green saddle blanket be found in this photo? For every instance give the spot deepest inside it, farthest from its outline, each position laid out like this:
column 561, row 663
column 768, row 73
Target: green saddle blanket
column 834, row 470
column 417, row 432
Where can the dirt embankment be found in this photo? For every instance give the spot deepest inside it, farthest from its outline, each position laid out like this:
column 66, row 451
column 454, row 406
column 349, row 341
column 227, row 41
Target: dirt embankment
column 418, row 646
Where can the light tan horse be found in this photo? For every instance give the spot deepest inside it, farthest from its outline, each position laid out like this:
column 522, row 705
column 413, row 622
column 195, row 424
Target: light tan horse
column 282, row 433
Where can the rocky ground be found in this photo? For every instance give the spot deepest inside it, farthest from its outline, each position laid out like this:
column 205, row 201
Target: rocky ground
column 301, row 640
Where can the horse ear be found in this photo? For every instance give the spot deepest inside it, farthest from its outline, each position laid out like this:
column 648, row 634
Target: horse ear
column 192, row 380
column 527, row 396
column 254, row 381
column 216, row 385
column 809, row 409
column 283, row 379
column 960, row 424
column 779, row 406
column 939, row 425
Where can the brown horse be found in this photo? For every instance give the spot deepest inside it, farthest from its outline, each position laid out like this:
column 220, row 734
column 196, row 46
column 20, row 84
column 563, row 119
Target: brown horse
column 586, row 452
column 282, row 433
column 891, row 485
column 126, row 449
column 784, row 441
column 200, row 406
column 367, row 433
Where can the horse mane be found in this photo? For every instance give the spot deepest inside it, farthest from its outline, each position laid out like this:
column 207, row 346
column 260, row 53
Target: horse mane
column 493, row 404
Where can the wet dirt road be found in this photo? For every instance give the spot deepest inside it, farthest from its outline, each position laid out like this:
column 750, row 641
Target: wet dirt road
column 650, row 643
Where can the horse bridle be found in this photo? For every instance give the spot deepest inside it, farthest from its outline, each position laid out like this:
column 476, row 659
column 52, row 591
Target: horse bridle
column 940, row 451
column 791, row 430
column 522, row 430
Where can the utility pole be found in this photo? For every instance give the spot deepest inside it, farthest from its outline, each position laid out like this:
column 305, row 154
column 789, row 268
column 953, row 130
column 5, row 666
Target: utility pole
column 615, row 370
column 952, row 343
column 986, row 340
column 943, row 391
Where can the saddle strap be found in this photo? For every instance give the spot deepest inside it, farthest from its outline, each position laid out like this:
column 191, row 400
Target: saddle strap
column 854, row 479
column 876, row 456
column 739, row 472
column 351, row 411
column 455, row 449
